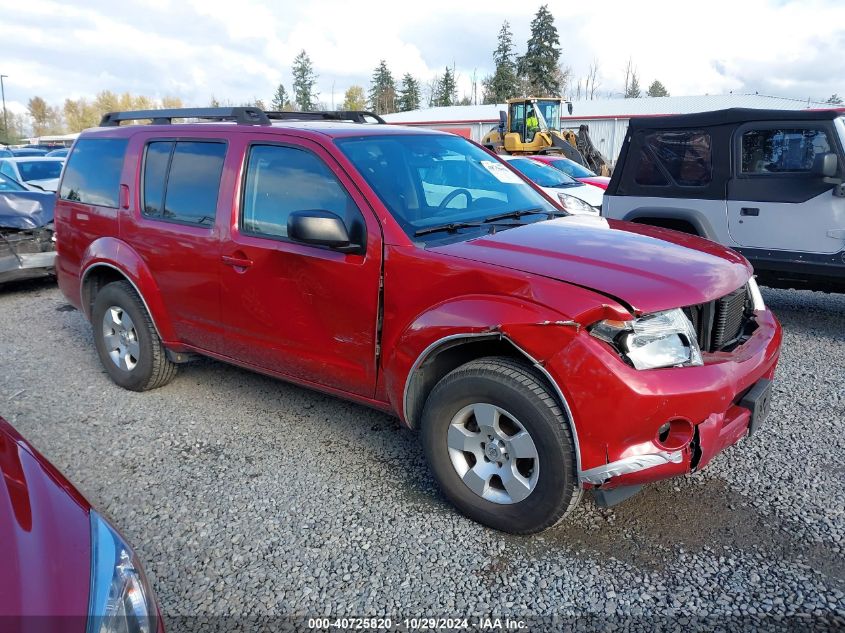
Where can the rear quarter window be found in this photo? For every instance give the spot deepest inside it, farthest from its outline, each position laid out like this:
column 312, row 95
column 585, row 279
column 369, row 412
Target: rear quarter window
column 92, row 173
column 683, row 156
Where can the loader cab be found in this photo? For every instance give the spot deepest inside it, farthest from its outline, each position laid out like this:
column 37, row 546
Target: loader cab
column 526, row 117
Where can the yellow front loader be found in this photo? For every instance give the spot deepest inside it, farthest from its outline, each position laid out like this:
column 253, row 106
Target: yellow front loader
column 532, row 125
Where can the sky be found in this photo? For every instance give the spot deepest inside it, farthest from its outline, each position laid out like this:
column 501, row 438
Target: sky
column 240, row 51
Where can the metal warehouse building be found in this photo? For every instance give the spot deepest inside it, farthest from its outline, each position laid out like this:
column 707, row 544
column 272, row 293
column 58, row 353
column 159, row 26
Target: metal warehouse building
column 606, row 118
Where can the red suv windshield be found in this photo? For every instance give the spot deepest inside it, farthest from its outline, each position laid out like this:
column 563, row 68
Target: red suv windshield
column 429, row 180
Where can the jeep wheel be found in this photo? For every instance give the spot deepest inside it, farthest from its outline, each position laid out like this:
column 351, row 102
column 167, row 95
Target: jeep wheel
column 500, row 446
column 127, row 342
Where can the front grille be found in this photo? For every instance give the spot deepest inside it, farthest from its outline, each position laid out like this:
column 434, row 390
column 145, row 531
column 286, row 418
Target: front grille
column 721, row 323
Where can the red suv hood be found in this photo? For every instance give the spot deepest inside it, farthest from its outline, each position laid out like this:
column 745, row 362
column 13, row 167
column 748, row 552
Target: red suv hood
column 649, row 269
column 44, row 539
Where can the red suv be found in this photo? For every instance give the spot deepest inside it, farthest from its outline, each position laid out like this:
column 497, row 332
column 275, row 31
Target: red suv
column 412, row 271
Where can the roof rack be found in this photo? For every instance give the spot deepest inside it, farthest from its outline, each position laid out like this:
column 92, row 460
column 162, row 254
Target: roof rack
column 240, row 115
column 355, row 116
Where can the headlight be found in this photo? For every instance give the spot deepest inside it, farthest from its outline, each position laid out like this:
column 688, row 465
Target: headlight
column 756, row 297
column 120, row 599
column 575, row 205
column 661, row 339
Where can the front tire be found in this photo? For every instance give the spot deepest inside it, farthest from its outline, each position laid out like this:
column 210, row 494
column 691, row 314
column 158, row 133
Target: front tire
column 500, row 446
column 126, row 339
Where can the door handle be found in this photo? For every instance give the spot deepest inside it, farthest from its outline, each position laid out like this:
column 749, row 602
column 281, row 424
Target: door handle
column 749, row 211
column 236, row 262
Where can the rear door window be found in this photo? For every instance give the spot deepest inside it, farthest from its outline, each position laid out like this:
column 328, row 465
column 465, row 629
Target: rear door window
column 779, row 150
column 182, row 180
column 92, row 173
column 683, row 156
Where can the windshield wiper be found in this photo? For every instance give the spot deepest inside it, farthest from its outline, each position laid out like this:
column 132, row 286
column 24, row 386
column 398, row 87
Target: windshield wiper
column 523, row 212
column 453, row 227
column 32, row 184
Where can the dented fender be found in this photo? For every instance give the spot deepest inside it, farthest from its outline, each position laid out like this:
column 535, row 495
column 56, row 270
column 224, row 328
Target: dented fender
column 536, row 330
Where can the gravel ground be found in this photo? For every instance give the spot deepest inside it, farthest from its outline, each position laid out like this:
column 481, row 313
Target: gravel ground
column 247, row 496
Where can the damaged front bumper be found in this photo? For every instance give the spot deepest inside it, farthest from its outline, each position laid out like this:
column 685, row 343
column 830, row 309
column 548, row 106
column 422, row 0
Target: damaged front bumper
column 26, row 254
column 655, row 424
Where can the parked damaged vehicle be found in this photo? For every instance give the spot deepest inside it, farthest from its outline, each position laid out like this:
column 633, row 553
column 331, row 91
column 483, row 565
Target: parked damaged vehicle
column 540, row 353
column 27, row 245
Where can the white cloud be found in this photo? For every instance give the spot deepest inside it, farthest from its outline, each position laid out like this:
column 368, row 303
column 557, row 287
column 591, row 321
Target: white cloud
column 202, row 47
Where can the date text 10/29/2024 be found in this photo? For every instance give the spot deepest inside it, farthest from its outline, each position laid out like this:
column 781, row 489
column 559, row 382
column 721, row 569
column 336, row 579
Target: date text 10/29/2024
column 417, row 624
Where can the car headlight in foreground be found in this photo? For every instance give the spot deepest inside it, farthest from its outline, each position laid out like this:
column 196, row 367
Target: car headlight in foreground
column 575, row 205
column 121, row 600
column 661, row 339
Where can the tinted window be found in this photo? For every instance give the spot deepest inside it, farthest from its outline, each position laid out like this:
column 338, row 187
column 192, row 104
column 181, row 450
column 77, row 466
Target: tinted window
column 193, row 182
column 7, row 170
column 571, row 168
column 543, row 175
column 281, row 180
column 648, row 173
column 684, row 155
column 92, row 175
column 782, row 150
column 155, row 176
column 10, row 184
column 40, row 169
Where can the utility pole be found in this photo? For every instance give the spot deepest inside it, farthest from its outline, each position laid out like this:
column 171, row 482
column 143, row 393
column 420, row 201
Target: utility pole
column 5, row 124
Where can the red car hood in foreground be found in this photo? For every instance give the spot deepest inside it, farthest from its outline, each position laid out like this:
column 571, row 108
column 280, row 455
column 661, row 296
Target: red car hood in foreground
column 45, row 542
column 648, row 268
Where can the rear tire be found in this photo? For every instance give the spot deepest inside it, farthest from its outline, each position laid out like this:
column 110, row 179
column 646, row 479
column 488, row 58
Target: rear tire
column 126, row 339
column 530, row 484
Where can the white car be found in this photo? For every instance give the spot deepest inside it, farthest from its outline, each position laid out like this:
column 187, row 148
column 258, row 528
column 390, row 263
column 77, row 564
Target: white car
column 36, row 173
column 574, row 196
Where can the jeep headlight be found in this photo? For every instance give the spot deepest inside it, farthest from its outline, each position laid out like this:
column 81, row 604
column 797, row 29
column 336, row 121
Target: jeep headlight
column 120, row 600
column 661, row 339
column 575, row 205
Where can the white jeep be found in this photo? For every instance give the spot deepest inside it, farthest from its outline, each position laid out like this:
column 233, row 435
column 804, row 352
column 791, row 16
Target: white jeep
column 767, row 183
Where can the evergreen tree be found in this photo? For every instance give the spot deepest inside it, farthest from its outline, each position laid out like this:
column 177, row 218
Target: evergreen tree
column 633, row 91
column 834, row 99
column 409, row 94
column 382, row 90
column 632, row 81
column 540, row 66
column 503, row 83
column 657, row 89
column 447, row 89
column 353, row 98
column 280, row 99
column 304, row 80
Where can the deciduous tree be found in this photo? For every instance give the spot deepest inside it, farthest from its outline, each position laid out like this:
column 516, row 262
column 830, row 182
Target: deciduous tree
column 354, row 99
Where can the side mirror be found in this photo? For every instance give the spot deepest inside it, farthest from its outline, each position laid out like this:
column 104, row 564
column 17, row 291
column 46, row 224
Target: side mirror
column 827, row 165
column 503, row 123
column 569, row 106
column 321, row 228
